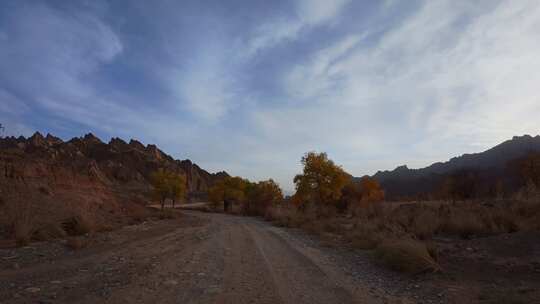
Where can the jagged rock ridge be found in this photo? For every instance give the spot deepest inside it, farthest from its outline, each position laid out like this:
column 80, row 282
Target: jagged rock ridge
column 117, row 165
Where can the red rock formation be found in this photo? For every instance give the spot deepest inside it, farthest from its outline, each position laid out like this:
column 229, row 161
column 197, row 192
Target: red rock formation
column 87, row 171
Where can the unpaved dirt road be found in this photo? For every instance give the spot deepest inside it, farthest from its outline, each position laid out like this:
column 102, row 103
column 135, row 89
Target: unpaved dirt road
column 199, row 258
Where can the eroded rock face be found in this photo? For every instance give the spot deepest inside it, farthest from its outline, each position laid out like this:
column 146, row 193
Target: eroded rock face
column 87, row 169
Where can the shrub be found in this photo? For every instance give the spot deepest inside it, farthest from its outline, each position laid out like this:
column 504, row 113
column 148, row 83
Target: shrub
column 425, row 224
column 49, row 231
column 22, row 226
column 167, row 214
column 366, row 235
column 22, row 231
column 76, row 243
column 138, row 213
column 79, row 225
column 19, row 215
column 465, row 224
column 365, row 241
column 407, row 255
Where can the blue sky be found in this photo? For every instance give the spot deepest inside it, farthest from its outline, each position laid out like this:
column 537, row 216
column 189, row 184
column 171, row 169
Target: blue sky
column 249, row 86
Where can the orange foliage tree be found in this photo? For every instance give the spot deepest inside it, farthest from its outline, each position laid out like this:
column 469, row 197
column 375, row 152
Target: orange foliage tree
column 228, row 190
column 371, row 190
column 261, row 196
column 168, row 185
column 321, row 181
column 357, row 193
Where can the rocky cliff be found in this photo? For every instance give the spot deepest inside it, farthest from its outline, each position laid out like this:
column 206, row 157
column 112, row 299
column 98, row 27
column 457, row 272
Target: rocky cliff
column 92, row 168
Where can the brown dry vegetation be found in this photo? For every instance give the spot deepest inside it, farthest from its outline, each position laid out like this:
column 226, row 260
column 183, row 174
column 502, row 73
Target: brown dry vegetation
column 76, row 243
column 400, row 233
column 407, row 255
column 28, row 215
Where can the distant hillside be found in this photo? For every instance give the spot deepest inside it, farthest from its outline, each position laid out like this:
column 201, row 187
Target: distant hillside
column 116, row 165
column 403, row 181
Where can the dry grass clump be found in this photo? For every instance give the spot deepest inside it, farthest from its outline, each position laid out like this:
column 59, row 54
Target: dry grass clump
column 426, row 224
column 80, row 224
column 463, row 224
column 22, row 232
column 20, row 218
column 138, row 213
column 286, row 216
column 168, row 214
column 76, row 243
column 407, row 255
column 49, row 231
column 466, row 219
column 401, row 235
column 363, row 240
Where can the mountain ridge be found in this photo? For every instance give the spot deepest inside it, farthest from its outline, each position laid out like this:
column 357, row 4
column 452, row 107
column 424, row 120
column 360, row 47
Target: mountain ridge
column 117, row 161
column 486, row 171
column 495, row 157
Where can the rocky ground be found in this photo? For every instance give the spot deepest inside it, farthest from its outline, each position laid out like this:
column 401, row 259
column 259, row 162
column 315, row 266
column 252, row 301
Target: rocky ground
column 216, row 258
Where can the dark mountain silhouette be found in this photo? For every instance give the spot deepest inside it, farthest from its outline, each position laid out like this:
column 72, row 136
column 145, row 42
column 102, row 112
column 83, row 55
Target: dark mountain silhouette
column 490, row 164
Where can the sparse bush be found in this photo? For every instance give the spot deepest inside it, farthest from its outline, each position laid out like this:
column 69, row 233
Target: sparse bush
column 22, row 232
column 426, row 224
column 167, row 214
column 21, row 219
column 105, row 228
column 79, row 224
column 362, row 240
column 138, row 213
column 49, row 231
column 76, row 243
column 407, row 255
column 464, row 224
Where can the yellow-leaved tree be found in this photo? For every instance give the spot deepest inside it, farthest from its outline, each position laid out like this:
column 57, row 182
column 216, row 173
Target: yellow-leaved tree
column 321, row 181
column 228, row 190
column 371, row 190
column 168, row 185
column 262, row 195
column 178, row 187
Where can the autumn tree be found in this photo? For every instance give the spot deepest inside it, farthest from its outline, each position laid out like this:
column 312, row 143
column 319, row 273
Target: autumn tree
column 260, row 196
column 321, row 181
column 371, row 190
column 228, row 190
column 178, row 187
column 161, row 186
column 168, row 185
column 360, row 193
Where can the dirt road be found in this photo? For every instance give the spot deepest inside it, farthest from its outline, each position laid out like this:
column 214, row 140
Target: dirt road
column 199, row 258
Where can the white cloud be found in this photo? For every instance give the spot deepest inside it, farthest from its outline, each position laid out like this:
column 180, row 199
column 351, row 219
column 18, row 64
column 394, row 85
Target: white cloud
column 10, row 104
column 314, row 12
column 205, row 89
column 50, row 60
column 318, row 77
column 309, row 14
column 454, row 77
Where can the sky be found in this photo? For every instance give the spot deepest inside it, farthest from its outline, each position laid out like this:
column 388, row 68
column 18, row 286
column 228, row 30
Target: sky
column 249, row 86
